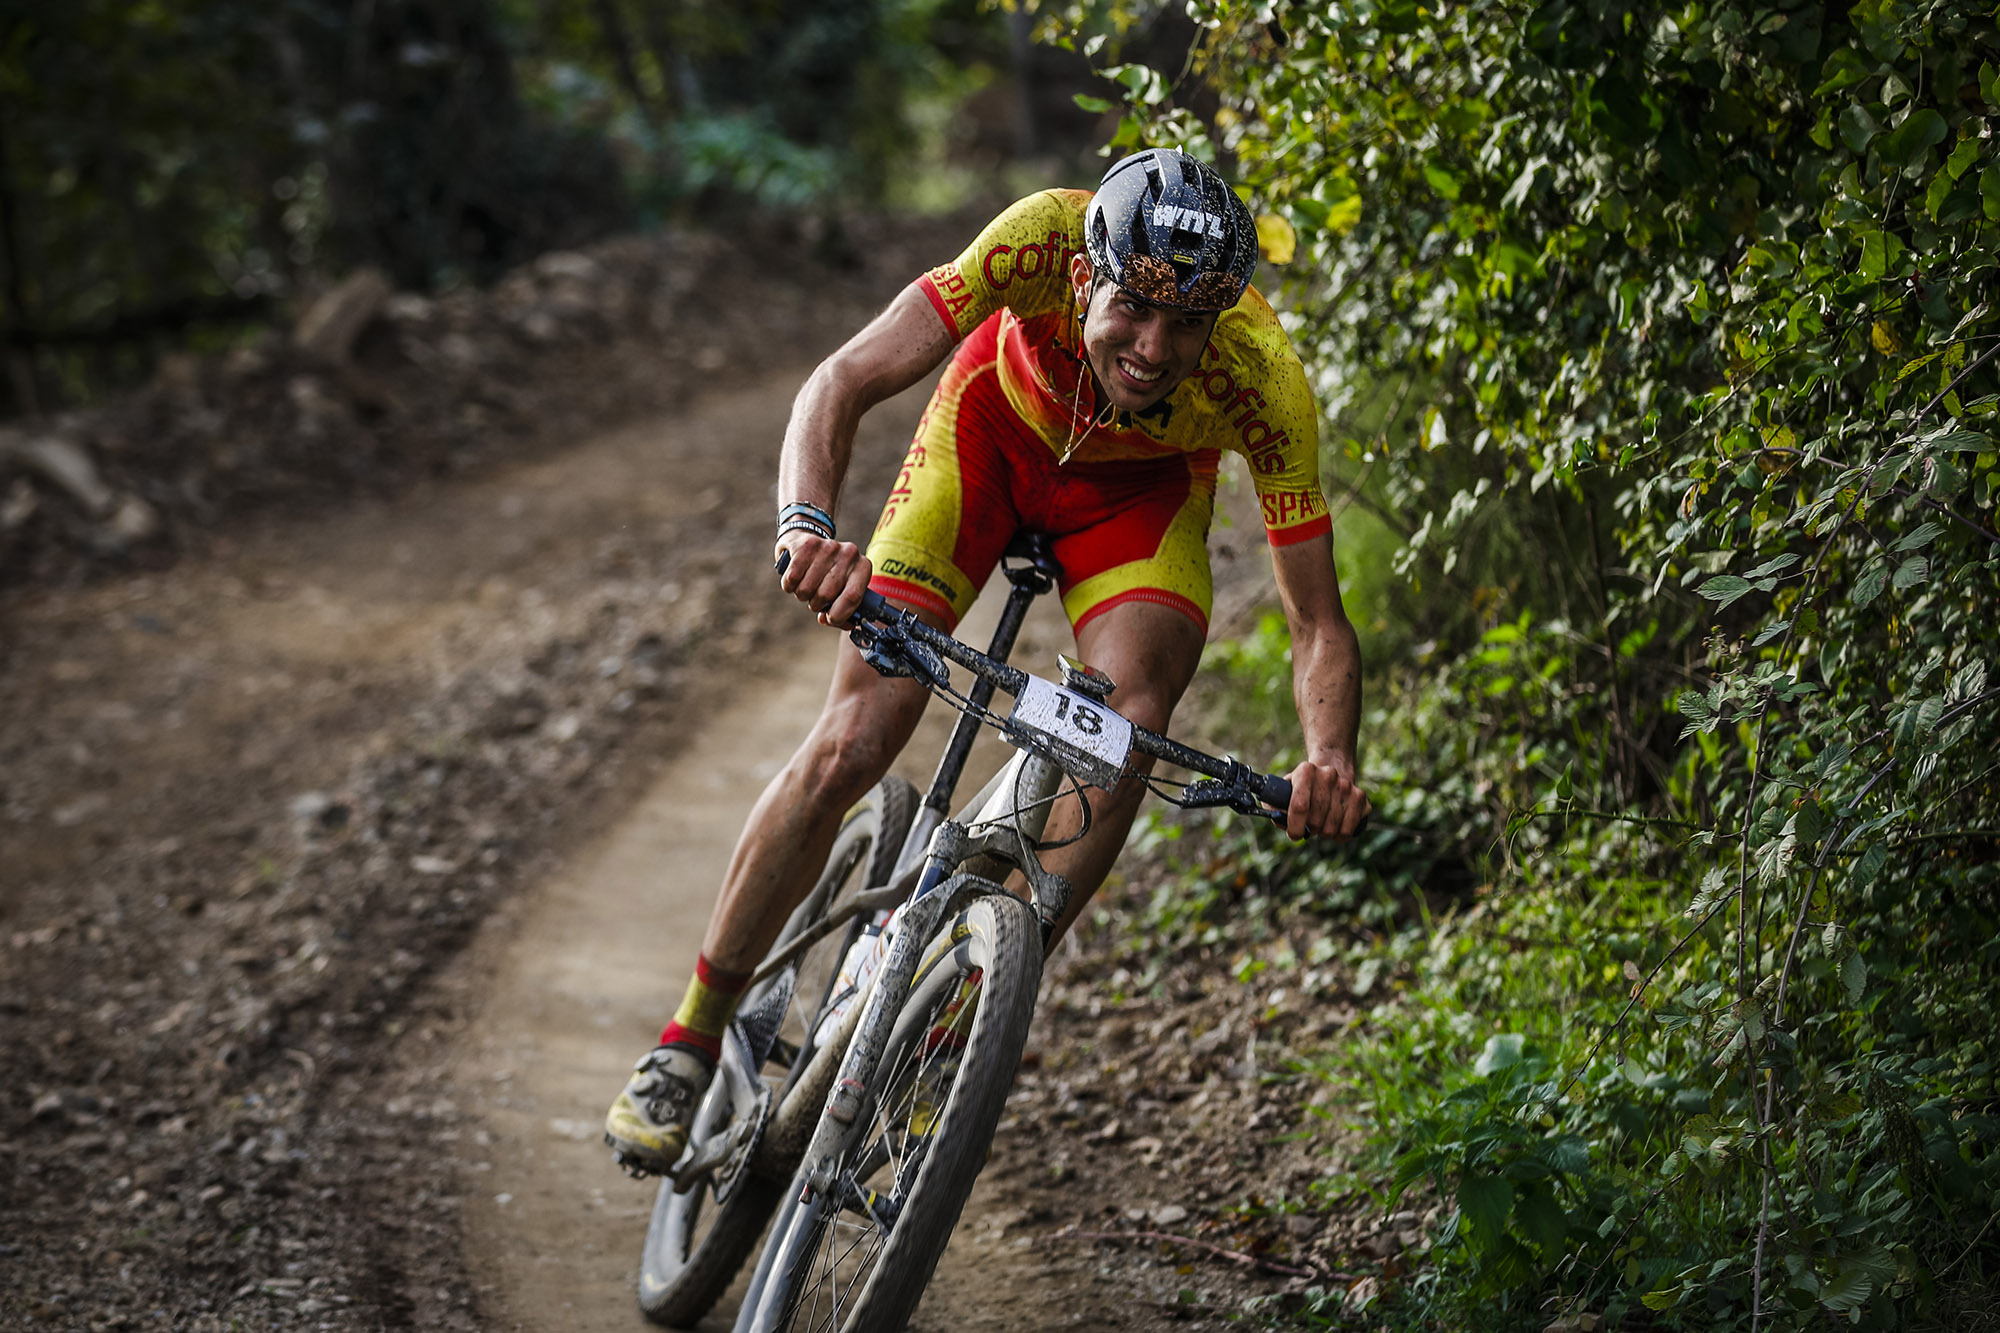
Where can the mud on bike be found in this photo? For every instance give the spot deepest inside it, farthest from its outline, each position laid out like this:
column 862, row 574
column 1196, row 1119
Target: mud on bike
column 865, row 1071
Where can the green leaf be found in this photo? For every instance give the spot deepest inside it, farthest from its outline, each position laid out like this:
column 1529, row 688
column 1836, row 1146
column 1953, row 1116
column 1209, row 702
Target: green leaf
column 1854, row 976
column 1569, row 1153
column 1542, row 1219
column 1485, row 1201
column 1809, row 821
column 1773, row 565
column 1503, row 1051
column 1663, row 1300
column 1989, row 191
column 1724, row 589
column 1972, row 316
column 1096, row 106
column 1920, row 537
column 1709, row 894
column 1442, row 180
column 1844, row 68
column 1962, row 156
column 1857, row 127
column 1911, row 572
column 1848, row 1289
column 1870, row 585
column 1774, row 857
column 1934, row 197
column 1960, row 441
column 1912, row 367
column 1923, row 130
column 1874, row 254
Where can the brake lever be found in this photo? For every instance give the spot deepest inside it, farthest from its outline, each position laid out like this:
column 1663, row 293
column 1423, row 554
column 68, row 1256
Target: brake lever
column 893, row 653
column 1212, row 794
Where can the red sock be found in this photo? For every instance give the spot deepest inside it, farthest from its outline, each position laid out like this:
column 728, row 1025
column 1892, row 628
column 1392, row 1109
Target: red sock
column 706, row 1009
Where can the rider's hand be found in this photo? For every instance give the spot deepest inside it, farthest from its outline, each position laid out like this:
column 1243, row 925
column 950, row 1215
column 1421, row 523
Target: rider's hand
column 1325, row 800
column 828, row 576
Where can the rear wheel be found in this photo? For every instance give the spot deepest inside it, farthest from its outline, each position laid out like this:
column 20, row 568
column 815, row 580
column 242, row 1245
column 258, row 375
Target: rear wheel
column 858, row 1257
column 698, row 1239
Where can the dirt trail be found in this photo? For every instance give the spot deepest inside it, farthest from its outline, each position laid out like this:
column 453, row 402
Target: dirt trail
column 578, row 991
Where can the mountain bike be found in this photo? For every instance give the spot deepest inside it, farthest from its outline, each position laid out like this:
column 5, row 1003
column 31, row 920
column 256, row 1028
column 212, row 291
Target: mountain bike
column 865, row 1072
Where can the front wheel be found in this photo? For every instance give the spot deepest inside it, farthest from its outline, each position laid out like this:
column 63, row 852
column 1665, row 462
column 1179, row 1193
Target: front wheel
column 697, row 1240
column 861, row 1254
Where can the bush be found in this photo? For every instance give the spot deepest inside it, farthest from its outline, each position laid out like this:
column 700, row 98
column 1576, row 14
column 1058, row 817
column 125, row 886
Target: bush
column 1667, row 338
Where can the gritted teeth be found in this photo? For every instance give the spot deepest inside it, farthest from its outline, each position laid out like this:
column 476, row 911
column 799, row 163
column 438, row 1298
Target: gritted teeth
column 1145, row 376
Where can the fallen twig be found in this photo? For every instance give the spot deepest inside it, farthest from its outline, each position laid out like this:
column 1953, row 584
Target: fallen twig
column 1234, row 1256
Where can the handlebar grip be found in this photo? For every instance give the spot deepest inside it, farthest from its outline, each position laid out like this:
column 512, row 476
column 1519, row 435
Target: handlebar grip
column 1275, row 792
column 873, row 606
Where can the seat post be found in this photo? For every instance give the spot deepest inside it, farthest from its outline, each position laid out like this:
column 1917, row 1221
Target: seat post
column 1038, row 574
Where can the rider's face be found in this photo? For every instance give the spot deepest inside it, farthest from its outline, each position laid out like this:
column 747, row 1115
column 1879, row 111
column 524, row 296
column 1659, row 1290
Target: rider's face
column 1139, row 351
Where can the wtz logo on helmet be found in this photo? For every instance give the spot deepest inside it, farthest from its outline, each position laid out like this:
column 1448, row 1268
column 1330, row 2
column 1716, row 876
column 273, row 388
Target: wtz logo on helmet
column 1188, row 219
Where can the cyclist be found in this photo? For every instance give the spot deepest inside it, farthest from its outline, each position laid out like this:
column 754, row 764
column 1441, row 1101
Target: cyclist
column 1109, row 347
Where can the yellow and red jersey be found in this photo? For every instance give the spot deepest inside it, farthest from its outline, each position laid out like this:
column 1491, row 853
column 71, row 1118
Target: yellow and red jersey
column 1249, row 394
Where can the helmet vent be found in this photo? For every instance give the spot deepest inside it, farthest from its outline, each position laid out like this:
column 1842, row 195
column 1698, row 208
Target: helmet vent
column 1169, row 229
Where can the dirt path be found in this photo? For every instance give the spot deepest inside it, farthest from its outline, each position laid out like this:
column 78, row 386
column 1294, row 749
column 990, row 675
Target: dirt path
column 599, row 953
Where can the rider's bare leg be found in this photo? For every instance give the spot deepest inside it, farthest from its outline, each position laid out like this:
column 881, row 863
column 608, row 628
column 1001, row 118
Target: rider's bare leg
column 1151, row 652
column 865, row 723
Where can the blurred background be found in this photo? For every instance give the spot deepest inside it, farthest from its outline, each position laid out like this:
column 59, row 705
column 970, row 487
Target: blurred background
column 178, row 174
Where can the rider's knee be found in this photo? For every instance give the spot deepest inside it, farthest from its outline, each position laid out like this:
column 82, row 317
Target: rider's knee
column 1148, row 705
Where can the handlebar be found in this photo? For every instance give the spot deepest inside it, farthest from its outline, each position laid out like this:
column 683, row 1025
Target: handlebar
column 1273, row 791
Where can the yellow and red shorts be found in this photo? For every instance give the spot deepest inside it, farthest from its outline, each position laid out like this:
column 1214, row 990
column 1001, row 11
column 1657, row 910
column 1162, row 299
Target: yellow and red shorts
column 1124, row 530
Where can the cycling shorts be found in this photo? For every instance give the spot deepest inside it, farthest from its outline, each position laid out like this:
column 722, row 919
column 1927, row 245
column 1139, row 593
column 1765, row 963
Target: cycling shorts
column 1125, row 530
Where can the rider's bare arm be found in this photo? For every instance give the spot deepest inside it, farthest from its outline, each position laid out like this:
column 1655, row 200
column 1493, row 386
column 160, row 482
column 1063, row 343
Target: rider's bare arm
column 898, row 347
column 1326, row 685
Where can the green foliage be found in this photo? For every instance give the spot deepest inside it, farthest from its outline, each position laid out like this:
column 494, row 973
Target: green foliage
column 1668, row 338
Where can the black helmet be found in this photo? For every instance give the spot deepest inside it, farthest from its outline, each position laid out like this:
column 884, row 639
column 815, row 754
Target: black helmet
column 1167, row 228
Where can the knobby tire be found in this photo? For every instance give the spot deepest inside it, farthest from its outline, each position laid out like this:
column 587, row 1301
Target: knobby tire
column 683, row 1269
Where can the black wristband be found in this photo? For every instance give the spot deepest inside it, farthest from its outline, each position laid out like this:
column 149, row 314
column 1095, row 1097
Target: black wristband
column 802, row 509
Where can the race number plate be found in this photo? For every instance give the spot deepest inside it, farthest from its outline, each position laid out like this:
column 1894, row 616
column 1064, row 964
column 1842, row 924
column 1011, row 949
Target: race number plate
column 1090, row 740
